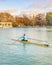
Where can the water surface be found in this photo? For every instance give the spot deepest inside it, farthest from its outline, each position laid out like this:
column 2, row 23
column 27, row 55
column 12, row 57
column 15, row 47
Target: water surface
column 25, row 54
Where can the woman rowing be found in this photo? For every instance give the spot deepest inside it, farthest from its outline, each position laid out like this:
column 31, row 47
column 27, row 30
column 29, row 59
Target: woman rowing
column 24, row 38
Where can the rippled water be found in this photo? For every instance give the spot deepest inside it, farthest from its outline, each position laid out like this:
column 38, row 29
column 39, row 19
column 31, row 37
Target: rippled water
column 25, row 54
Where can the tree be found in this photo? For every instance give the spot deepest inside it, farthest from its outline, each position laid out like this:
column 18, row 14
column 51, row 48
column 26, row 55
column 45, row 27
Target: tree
column 26, row 20
column 6, row 17
column 49, row 18
column 40, row 19
column 19, row 21
column 33, row 21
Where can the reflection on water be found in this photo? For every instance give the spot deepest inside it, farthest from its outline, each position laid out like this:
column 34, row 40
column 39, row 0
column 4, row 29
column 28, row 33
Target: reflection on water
column 25, row 54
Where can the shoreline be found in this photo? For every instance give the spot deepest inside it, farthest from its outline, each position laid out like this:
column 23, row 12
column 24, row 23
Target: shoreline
column 28, row 27
column 33, row 26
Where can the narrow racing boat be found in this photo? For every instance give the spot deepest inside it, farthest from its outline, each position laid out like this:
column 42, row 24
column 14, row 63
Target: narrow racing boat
column 28, row 42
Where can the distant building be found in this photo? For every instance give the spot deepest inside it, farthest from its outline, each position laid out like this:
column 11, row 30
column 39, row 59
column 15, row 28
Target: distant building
column 5, row 24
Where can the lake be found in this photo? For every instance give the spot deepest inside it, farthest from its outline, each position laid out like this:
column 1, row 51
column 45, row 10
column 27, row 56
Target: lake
column 25, row 54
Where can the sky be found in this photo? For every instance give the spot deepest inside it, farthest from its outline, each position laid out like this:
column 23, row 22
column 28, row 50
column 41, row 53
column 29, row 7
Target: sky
column 17, row 7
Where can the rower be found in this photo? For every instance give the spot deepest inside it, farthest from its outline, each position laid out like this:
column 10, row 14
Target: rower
column 24, row 38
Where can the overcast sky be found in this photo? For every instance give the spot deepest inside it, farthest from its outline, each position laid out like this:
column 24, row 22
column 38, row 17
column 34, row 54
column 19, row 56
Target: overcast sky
column 23, row 6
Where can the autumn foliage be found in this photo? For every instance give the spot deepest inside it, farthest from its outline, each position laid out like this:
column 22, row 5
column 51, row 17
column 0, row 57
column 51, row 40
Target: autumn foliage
column 39, row 19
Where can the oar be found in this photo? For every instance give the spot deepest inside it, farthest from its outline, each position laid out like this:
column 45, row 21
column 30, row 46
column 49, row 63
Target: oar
column 31, row 39
column 38, row 40
column 14, row 39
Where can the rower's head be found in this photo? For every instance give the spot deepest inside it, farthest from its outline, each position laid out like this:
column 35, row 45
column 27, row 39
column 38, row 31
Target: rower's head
column 24, row 34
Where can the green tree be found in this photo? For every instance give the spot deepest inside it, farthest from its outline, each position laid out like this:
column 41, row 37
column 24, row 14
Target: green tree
column 49, row 18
